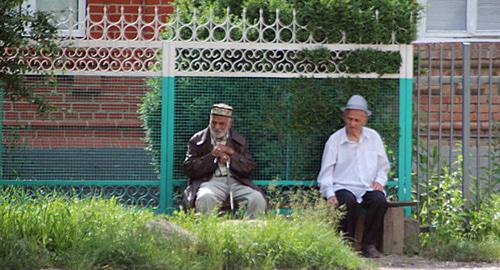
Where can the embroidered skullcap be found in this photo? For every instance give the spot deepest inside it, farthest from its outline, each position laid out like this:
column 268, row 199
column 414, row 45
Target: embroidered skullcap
column 222, row 109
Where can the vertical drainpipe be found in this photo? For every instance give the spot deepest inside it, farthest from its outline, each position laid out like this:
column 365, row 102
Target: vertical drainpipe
column 405, row 124
column 167, row 129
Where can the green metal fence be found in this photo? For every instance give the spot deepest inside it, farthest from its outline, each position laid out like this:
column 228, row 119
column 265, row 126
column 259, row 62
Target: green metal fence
column 123, row 117
column 90, row 140
column 93, row 142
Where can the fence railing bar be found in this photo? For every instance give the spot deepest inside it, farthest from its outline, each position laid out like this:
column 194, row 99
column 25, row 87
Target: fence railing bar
column 458, row 78
column 490, row 112
column 452, row 113
column 478, row 130
column 440, row 114
column 60, row 182
column 429, row 98
column 466, row 164
column 417, row 126
column 2, row 117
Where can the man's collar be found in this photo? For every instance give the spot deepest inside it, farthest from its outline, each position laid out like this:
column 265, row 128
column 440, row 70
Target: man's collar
column 344, row 138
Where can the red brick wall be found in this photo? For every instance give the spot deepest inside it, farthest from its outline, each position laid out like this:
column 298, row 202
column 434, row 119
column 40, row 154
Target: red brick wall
column 130, row 12
column 88, row 111
column 435, row 59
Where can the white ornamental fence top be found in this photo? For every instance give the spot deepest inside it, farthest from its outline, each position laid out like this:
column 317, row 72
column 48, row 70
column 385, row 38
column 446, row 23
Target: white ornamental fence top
column 132, row 45
column 176, row 27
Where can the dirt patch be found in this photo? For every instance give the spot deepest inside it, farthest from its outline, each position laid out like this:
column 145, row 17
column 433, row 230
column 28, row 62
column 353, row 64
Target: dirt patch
column 393, row 262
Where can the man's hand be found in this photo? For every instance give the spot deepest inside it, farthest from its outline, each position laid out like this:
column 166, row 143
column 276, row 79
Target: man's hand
column 333, row 201
column 377, row 186
column 223, row 159
column 222, row 150
column 227, row 150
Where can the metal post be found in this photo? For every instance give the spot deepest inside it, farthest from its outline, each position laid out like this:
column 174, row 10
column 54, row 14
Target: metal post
column 417, row 123
column 452, row 112
column 440, row 117
column 490, row 115
column 167, row 131
column 288, row 137
column 428, row 170
column 478, row 129
column 405, row 124
column 1, row 128
column 466, row 164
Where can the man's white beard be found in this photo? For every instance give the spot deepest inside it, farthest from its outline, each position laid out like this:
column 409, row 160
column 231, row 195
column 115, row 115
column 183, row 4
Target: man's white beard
column 218, row 134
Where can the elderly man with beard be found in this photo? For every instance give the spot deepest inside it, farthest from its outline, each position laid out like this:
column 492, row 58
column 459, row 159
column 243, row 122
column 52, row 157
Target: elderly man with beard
column 354, row 171
column 219, row 166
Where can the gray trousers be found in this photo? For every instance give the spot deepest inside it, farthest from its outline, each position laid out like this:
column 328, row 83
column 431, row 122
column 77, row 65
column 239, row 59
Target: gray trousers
column 214, row 192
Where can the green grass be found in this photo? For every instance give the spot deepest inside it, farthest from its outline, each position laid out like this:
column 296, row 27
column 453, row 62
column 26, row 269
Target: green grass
column 75, row 234
column 299, row 242
column 464, row 234
column 464, row 250
column 93, row 233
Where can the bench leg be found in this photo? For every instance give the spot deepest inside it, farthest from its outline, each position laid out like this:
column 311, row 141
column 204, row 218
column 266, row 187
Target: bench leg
column 360, row 227
column 358, row 235
column 394, row 233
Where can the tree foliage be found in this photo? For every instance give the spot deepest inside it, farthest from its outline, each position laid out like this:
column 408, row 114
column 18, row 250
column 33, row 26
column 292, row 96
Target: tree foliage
column 350, row 21
column 23, row 32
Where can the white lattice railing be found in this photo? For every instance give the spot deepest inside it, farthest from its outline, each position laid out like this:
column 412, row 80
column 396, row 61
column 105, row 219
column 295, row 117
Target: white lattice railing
column 266, row 60
column 155, row 27
column 132, row 44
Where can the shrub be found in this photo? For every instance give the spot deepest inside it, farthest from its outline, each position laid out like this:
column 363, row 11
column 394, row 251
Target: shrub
column 361, row 21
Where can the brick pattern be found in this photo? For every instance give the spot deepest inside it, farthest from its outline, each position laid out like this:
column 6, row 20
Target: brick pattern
column 130, row 8
column 439, row 102
column 441, row 55
column 88, row 112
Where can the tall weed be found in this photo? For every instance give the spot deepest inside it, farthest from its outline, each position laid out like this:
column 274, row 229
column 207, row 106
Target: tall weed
column 50, row 230
column 303, row 240
column 458, row 232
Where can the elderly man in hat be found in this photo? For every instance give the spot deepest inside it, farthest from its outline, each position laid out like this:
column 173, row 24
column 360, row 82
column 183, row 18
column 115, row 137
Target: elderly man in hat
column 354, row 171
column 219, row 166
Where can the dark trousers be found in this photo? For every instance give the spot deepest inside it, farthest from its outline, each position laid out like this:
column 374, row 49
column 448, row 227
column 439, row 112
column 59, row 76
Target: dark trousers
column 375, row 204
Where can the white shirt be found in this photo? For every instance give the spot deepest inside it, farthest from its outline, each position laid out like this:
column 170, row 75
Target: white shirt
column 353, row 165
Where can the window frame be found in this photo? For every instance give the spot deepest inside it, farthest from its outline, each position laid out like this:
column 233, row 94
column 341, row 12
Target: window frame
column 79, row 31
column 471, row 22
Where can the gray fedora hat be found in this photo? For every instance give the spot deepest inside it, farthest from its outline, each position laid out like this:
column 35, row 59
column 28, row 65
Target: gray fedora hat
column 357, row 102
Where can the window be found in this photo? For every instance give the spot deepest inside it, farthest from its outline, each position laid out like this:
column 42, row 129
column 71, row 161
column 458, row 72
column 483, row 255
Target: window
column 459, row 19
column 69, row 14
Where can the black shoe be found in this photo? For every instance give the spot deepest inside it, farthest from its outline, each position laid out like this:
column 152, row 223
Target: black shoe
column 371, row 252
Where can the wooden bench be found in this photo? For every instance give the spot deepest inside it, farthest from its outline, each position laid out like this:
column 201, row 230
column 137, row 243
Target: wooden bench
column 396, row 229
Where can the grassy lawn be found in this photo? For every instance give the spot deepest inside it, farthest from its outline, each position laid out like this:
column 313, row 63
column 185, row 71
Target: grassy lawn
column 94, row 233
